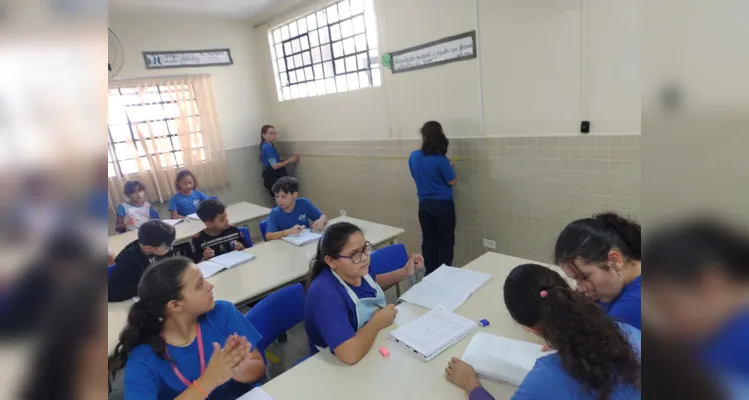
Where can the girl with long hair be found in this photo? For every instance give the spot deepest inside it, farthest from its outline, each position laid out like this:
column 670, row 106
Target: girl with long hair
column 274, row 167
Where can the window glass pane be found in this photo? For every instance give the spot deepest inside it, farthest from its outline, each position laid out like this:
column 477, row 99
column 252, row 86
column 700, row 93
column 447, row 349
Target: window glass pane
column 318, row 71
column 311, row 22
column 320, row 86
column 284, row 79
column 302, row 25
column 300, row 75
column 326, row 54
column 363, row 79
column 316, row 56
column 376, row 77
column 330, row 85
column 356, row 7
column 311, row 89
column 340, row 66
column 287, row 48
column 324, row 36
column 124, row 151
column 293, row 30
column 347, row 28
column 335, row 32
column 117, row 114
column 361, row 43
column 328, row 67
column 302, row 91
column 276, row 35
column 305, row 43
column 314, row 39
column 279, row 50
column 332, row 13
column 353, row 81
column 294, row 92
column 281, row 65
column 306, row 58
column 295, row 47
column 341, row 83
column 298, row 60
column 350, row 64
column 286, row 93
column 284, row 32
column 292, row 77
column 358, row 23
column 362, row 61
column 290, row 62
column 343, row 9
column 136, row 113
column 119, row 133
column 110, row 170
column 308, row 75
column 321, row 20
column 348, row 46
column 337, row 49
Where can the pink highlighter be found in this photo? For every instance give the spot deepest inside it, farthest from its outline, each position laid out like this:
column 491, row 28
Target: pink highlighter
column 384, row 351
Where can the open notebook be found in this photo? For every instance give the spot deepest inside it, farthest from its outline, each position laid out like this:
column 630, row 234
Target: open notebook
column 501, row 359
column 447, row 287
column 172, row 222
column 304, row 237
column 225, row 261
column 432, row 333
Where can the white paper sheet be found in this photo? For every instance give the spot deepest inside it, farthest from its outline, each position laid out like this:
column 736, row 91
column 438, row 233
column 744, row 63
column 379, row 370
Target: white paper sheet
column 172, row 222
column 501, row 359
column 433, row 332
column 304, row 237
column 447, row 287
column 408, row 312
column 256, row 394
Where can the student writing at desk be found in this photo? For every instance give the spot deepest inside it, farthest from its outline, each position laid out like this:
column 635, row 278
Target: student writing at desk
column 293, row 213
column 345, row 306
column 219, row 236
column 596, row 359
column 602, row 254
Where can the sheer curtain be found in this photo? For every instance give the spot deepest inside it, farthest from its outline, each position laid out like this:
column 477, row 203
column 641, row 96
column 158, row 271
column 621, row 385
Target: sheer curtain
column 158, row 127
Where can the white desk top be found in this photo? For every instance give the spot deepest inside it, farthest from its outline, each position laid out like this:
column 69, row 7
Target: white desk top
column 238, row 213
column 277, row 263
column 323, row 377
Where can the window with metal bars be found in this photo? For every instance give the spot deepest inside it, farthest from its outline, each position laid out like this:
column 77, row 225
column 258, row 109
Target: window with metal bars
column 328, row 51
column 155, row 112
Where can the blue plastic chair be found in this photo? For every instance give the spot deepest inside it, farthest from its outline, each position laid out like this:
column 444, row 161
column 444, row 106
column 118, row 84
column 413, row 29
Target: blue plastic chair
column 276, row 314
column 245, row 231
column 110, row 269
column 263, row 228
column 389, row 259
column 212, row 197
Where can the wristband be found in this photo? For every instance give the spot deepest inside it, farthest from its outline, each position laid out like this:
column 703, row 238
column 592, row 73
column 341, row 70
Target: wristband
column 200, row 389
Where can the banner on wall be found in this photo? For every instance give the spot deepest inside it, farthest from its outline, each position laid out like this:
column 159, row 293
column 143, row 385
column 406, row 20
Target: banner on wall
column 442, row 51
column 187, row 58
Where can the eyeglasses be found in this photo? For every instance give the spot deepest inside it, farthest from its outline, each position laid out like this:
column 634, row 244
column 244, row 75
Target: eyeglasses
column 356, row 256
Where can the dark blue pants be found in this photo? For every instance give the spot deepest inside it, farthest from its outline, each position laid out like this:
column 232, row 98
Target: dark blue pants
column 437, row 219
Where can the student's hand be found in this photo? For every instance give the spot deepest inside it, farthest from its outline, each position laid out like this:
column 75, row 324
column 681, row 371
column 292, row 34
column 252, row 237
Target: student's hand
column 294, row 158
column 416, row 261
column 462, row 374
column 384, row 317
column 223, row 362
column 295, row 230
column 238, row 246
column 318, row 225
column 245, row 349
column 208, row 253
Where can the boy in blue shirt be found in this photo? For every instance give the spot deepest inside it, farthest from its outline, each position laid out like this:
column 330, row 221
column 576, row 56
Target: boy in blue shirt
column 293, row 213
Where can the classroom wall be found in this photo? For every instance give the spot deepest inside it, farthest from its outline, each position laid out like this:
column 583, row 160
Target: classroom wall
column 544, row 64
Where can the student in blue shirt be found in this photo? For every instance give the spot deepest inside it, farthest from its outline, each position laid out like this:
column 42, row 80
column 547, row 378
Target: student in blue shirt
column 602, row 254
column 596, row 357
column 181, row 343
column 345, row 306
column 434, row 177
column 274, row 167
column 698, row 284
column 185, row 201
column 293, row 213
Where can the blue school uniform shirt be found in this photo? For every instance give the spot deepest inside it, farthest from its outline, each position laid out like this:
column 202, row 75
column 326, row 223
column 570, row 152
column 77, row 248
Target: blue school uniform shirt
column 627, row 307
column 304, row 213
column 431, row 174
column 185, row 205
column 549, row 380
column 329, row 312
column 728, row 350
column 147, row 377
column 269, row 155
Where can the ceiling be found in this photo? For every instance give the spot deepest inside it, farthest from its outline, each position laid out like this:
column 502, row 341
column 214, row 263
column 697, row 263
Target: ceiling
column 224, row 8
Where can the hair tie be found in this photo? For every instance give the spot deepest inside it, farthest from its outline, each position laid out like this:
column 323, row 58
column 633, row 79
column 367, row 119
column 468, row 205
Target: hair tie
column 544, row 294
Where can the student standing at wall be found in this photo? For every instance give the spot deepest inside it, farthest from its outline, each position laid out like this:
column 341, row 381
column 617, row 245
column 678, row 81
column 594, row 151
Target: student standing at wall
column 274, row 167
column 434, row 177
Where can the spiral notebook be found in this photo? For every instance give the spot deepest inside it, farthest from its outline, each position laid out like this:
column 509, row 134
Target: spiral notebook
column 502, row 359
column 225, row 261
column 432, row 333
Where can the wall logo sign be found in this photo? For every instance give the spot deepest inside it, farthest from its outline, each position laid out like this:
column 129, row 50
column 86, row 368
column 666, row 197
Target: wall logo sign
column 187, row 58
column 442, row 51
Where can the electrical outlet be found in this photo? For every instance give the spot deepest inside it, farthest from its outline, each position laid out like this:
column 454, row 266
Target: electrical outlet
column 490, row 244
column 343, row 213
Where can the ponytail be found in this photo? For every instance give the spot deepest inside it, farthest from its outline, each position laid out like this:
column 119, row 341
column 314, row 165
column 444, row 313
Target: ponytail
column 160, row 284
column 332, row 241
column 591, row 239
column 591, row 346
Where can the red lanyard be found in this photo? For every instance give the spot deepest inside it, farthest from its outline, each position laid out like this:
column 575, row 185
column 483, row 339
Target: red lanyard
column 200, row 353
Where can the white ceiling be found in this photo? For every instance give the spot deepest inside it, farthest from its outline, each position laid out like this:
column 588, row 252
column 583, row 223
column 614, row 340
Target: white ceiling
column 224, row 8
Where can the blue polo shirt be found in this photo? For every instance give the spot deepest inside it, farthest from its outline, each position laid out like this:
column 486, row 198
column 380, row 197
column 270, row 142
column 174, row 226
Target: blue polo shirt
column 303, row 213
column 728, row 350
column 147, row 377
column 186, row 204
column 329, row 312
column 269, row 155
column 431, row 174
column 549, row 380
column 627, row 307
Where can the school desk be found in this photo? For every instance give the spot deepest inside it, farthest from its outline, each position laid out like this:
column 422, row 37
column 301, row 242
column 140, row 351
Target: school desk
column 402, row 375
column 276, row 264
column 239, row 213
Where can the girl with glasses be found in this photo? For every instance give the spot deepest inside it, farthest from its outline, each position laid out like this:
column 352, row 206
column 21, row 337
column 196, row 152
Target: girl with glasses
column 345, row 306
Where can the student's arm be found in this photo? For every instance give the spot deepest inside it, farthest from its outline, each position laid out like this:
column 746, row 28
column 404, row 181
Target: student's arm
column 202, row 196
column 391, row 278
column 153, row 214
column 448, row 172
column 173, row 208
column 142, row 383
column 120, row 223
column 354, row 349
column 254, row 368
column 274, row 160
column 282, row 234
column 318, row 218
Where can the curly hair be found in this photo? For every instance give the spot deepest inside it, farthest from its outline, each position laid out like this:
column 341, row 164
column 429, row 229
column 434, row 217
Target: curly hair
column 591, row 346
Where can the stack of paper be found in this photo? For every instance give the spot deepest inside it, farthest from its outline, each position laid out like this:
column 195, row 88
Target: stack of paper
column 225, row 261
column 447, row 286
column 501, row 359
column 304, row 237
column 172, row 222
column 432, row 333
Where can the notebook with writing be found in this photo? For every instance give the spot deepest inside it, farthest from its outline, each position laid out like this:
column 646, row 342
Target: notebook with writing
column 429, row 335
column 502, row 359
column 304, row 237
column 225, row 261
column 447, row 287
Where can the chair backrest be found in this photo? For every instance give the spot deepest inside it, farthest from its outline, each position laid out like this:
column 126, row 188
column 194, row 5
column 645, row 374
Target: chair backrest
column 212, row 197
column 277, row 313
column 109, row 270
column 388, row 259
column 245, row 231
column 263, row 228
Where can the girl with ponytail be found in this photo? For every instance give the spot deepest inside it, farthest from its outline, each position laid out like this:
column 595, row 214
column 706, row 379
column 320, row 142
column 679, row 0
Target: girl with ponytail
column 181, row 343
column 602, row 254
column 274, row 167
column 345, row 306
column 596, row 358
